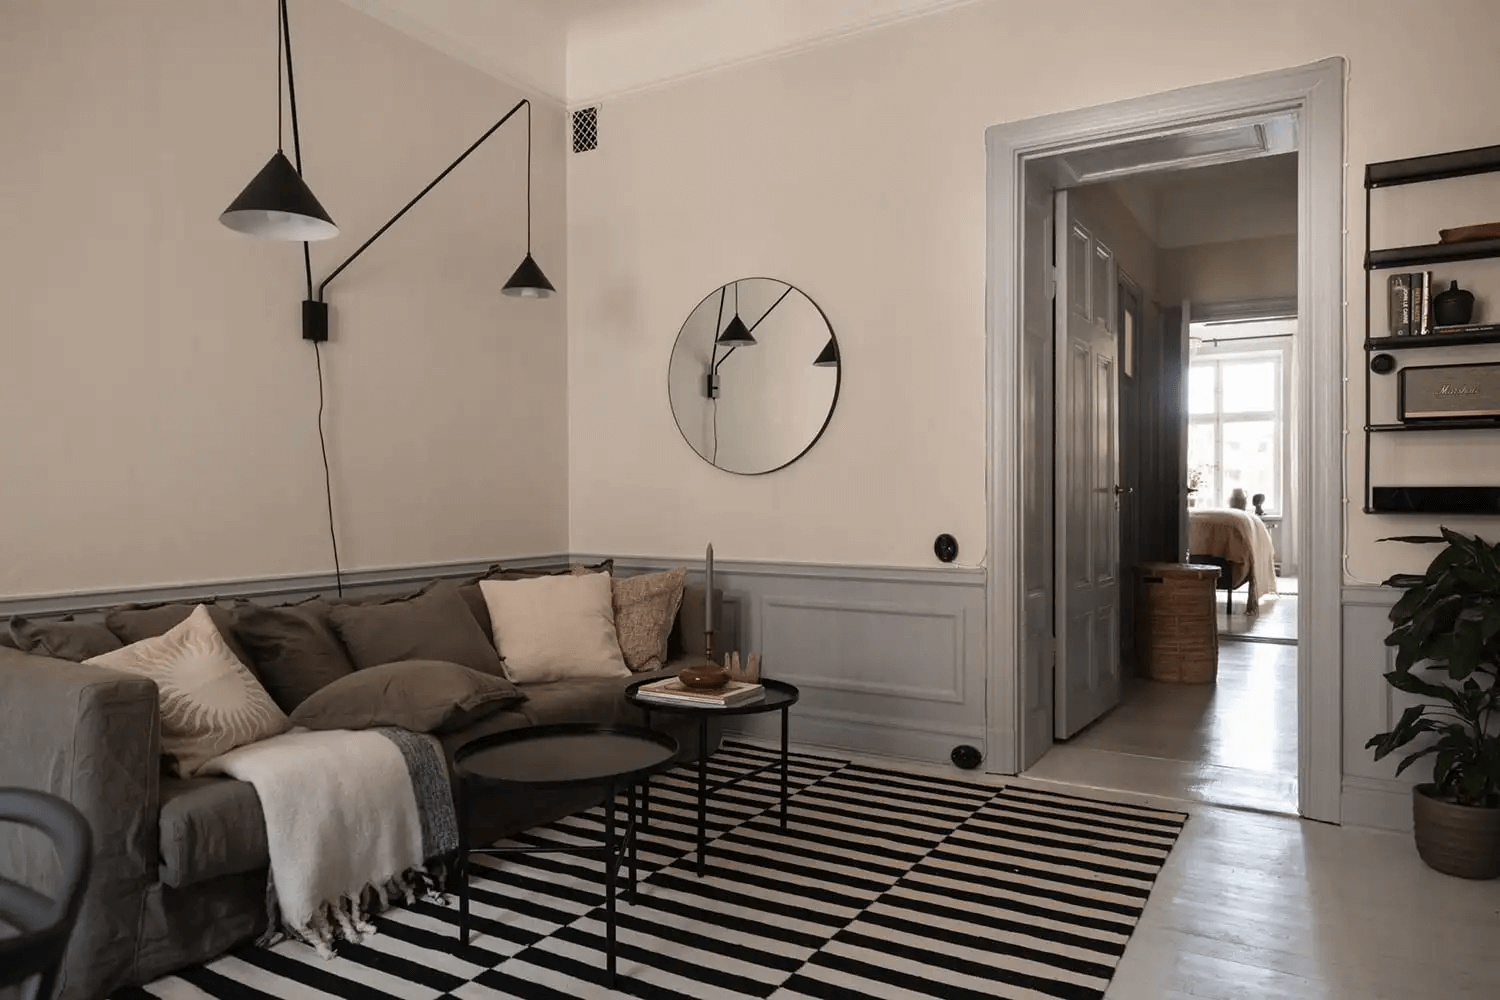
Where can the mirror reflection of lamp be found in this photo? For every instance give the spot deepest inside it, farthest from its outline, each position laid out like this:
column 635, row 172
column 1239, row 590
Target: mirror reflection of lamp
column 735, row 335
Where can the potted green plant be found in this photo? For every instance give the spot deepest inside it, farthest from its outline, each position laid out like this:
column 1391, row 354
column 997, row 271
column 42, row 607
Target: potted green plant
column 1447, row 640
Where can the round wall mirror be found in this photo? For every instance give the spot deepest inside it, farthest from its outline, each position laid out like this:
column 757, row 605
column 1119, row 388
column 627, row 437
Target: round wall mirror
column 754, row 376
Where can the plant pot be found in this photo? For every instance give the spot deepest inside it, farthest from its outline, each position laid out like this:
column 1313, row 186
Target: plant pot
column 1454, row 839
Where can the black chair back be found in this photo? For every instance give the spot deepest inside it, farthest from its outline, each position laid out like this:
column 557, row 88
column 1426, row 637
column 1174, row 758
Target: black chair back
column 34, row 928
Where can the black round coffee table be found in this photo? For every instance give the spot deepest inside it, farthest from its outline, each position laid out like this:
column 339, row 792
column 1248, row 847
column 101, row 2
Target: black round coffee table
column 570, row 755
column 780, row 697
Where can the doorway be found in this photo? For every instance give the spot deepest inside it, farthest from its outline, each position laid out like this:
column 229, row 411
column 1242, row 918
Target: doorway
column 1036, row 629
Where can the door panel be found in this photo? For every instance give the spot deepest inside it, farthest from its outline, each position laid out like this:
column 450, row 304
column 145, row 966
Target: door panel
column 1087, row 525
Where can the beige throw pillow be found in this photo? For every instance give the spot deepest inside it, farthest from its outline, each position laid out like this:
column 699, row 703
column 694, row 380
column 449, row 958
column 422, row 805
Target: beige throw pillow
column 550, row 628
column 210, row 702
column 645, row 608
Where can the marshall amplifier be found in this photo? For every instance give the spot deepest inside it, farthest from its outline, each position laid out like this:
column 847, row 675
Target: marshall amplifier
column 1439, row 391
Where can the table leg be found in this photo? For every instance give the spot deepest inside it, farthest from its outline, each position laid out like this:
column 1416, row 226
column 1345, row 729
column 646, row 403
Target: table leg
column 646, row 785
column 463, row 862
column 633, row 832
column 702, row 793
column 784, row 754
column 611, row 861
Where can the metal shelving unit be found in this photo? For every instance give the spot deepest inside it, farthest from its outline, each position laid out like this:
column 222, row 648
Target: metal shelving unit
column 1467, row 500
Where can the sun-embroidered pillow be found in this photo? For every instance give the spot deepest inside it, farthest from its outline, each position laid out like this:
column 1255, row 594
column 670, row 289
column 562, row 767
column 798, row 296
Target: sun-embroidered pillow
column 210, row 702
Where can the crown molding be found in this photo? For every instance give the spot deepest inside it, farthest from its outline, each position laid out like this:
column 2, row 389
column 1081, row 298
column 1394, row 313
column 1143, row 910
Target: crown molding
column 648, row 80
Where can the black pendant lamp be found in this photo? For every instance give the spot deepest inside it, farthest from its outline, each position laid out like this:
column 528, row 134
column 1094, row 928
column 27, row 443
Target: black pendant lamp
column 277, row 204
column 829, row 356
column 528, row 281
column 736, row 334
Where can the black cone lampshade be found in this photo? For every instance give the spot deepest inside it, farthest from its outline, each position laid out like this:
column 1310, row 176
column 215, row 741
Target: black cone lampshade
column 736, row 334
column 829, row 356
column 278, row 205
column 528, row 282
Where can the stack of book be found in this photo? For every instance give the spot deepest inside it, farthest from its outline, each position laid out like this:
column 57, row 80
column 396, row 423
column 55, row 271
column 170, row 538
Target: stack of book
column 672, row 691
column 1411, row 303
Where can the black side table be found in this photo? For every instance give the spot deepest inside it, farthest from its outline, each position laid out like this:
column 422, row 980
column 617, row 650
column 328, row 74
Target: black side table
column 563, row 756
column 780, row 697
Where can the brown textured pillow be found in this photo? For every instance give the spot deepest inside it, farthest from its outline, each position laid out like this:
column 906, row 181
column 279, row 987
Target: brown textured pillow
column 63, row 639
column 434, row 624
column 424, row 696
column 645, row 608
column 134, row 622
column 294, row 649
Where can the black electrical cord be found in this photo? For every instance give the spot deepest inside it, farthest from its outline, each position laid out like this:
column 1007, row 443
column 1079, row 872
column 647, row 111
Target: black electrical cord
column 333, row 538
column 284, row 40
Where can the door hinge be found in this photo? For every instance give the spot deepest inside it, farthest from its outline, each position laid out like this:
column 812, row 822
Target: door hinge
column 1052, row 281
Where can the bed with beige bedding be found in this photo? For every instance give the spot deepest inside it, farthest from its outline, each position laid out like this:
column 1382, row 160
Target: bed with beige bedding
column 1240, row 539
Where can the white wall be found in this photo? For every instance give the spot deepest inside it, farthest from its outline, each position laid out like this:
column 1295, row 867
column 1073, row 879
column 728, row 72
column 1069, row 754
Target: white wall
column 157, row 402
column 856, row 170
column 1233, row 271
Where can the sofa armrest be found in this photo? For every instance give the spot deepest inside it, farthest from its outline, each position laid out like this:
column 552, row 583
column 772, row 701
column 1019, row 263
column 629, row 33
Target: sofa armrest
column 89, row 735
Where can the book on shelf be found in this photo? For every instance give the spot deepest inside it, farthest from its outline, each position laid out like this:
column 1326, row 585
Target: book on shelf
column 1468, row 328
column 1421, row 303
column 1400, row 304
column 671, row 691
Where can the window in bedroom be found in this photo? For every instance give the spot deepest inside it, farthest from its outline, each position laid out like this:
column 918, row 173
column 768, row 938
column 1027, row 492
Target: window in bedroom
column 1235, row 427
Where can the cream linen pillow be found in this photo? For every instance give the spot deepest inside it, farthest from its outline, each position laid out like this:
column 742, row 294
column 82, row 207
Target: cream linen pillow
column 210, row 702
column 550, row 628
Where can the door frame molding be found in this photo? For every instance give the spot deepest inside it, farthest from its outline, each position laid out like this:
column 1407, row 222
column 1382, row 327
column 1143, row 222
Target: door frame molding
column 1316, row 93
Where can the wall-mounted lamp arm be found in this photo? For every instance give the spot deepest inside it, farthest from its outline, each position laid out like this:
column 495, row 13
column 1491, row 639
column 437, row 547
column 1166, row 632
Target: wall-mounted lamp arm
column 315, row 311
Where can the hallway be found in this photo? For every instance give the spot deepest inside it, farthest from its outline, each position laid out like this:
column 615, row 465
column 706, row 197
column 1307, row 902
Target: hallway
column 1233, row 743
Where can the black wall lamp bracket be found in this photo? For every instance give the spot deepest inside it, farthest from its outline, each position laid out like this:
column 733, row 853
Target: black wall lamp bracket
column 532, row 281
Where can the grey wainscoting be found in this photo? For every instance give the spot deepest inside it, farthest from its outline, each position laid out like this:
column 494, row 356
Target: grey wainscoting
column 889, row 661
column 1372, row 794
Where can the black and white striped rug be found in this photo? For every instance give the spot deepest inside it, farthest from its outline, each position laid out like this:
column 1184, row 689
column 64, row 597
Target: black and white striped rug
column 888, row 884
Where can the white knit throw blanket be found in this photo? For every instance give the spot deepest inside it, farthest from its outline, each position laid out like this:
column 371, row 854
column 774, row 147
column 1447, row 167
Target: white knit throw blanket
column 351, row 820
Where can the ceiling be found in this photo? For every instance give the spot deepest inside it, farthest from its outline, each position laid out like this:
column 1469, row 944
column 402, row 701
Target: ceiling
column 582, row 51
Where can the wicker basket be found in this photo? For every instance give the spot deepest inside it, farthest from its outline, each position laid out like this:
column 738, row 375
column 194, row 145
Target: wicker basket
column 1177, row 631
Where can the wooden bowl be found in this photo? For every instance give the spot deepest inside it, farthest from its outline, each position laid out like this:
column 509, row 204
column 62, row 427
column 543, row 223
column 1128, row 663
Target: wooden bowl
column 704, row 677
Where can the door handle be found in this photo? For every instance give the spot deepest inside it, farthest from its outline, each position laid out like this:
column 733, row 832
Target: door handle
column 1123, row 490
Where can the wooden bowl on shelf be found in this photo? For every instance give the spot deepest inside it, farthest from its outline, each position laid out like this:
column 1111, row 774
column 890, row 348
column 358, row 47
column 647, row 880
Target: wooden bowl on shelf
column 704, row 677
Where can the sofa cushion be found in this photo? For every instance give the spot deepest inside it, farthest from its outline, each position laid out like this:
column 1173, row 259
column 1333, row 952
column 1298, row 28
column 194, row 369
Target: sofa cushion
column 63, row 639
column 586, row 699
column 134, row 622
column 645, row 609
column 554, row 627
column 294, row 649
column 210, row 827
column 433, row 624
column 423, row 696
column 210, row 702
column 500, row 722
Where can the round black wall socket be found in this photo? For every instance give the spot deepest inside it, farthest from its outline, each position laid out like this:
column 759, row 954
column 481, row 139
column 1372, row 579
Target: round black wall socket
column 946, row 548
column 1382, row 364
column 966, row 756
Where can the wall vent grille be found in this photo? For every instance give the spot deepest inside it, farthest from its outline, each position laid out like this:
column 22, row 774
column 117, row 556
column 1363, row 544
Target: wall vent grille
column 586, row 129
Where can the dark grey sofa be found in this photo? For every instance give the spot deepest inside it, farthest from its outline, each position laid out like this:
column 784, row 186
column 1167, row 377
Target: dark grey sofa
column 180, row 866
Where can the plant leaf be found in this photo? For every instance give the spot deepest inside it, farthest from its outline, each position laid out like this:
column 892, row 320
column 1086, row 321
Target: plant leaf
column 1414, row 539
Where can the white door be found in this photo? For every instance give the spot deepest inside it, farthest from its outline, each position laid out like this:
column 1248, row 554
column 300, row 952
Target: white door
column 1087, row 504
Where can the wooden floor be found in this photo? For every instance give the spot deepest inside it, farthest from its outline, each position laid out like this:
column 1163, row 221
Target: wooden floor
column 1253, row 906
column 1274, row 621
column 1229, row 743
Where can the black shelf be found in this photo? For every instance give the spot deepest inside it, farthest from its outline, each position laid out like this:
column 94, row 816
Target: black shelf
column 1439, row 424
column 1432, row 253
column 1437, row 167
column 1490, row 335
column 1434, row 500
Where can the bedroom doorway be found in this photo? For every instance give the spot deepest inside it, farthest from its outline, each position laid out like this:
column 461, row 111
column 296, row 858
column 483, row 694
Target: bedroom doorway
column 1067, row 230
